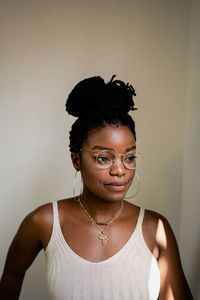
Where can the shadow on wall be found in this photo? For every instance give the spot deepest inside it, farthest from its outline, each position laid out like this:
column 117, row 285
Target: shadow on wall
column 196, row 272
column 173, row 177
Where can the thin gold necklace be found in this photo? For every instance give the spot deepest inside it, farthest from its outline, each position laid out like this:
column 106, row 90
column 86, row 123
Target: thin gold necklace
column 102, row 236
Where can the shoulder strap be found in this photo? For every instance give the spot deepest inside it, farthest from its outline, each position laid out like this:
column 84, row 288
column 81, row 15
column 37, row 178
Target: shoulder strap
column 55, row 227
column 55, row 214
column 140, row 217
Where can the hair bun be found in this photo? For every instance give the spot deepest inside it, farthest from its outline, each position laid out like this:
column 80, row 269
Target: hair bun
column 94, row 95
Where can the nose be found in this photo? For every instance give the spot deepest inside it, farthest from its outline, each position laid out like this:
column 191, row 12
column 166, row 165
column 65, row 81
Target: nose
column 117, row 168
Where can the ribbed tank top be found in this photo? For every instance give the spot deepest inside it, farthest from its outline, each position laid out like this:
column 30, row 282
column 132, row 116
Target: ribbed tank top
column 130, row 274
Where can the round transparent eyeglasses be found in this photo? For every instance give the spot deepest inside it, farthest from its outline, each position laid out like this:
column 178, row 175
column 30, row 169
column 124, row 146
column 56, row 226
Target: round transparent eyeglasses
column 106, row 158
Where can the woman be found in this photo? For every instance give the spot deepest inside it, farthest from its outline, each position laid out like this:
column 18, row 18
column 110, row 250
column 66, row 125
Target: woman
column 97, row 245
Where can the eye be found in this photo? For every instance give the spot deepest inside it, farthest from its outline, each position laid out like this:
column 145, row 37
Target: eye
column 104, row 158
column 130, row 158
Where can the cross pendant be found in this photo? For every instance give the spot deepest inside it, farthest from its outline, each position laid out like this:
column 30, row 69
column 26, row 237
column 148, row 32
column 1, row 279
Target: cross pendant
column 103, row 238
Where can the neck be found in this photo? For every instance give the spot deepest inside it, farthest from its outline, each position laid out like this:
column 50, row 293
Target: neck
column 102, row 211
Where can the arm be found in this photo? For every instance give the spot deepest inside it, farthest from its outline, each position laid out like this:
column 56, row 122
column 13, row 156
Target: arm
column 24, row 248
column 173, row 282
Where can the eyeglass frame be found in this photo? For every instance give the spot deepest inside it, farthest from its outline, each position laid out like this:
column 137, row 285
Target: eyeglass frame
column 116, row 155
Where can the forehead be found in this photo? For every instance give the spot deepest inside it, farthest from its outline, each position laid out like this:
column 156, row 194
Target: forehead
column 117, row 137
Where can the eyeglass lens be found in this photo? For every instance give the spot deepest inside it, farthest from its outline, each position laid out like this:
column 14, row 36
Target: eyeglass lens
column 106, row 158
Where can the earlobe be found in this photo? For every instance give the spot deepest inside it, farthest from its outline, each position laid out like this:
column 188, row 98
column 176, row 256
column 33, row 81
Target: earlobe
column 76, row 160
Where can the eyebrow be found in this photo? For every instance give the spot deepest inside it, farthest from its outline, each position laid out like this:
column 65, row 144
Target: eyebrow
column 107, row 148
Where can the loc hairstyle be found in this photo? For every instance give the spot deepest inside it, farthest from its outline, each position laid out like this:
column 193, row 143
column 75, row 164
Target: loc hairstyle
column 96, row 104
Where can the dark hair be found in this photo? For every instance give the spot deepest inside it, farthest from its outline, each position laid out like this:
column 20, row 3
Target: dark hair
column 96, row 104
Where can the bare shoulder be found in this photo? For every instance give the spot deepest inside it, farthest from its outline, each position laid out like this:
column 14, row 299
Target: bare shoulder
column 155, row 226
column 159, row 235
column 38, row 224
column 39, row 217
column 33, row 235
column 153, row 217
column 158, row 225
column 157, row 232
column 42, row 216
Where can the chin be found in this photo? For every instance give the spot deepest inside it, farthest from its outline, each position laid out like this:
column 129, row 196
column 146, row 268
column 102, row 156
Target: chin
column 114, row 196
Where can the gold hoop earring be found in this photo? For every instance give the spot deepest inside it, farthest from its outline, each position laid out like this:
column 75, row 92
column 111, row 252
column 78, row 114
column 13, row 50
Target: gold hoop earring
column 74, row 185
column 137, row 190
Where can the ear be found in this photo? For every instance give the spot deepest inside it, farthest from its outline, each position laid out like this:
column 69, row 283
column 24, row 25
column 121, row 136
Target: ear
column 76, row 161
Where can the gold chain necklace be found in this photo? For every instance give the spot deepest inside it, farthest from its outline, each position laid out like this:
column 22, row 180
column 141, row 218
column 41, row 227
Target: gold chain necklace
column 102, row 236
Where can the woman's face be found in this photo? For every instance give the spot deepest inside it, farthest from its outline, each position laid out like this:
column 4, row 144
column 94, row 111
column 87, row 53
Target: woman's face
column 108, row 184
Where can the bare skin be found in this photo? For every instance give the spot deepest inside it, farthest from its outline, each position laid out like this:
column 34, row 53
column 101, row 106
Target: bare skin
column 102, row 201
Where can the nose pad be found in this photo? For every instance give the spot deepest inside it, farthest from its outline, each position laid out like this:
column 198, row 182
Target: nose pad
column 117, row 168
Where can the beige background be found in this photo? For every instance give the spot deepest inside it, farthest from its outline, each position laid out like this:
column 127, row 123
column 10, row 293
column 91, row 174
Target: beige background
column 46, row 48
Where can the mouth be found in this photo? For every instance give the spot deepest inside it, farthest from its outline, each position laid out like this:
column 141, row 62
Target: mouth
column 116, row 186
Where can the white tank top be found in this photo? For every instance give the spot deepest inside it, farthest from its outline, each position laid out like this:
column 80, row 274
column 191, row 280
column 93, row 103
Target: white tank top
column 130, row 274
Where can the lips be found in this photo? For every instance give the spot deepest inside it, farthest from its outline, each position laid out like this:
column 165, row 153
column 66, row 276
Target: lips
column 116, row 186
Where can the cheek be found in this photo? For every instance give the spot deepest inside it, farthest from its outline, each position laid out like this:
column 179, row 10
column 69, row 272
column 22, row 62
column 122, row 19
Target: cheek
column 90, row 173
column 94, row 177
column 94, row 182
column 131, row 177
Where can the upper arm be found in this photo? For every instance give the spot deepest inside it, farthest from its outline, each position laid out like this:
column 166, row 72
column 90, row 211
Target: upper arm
column 24, row 248
column 173, row 282
column 27, row 242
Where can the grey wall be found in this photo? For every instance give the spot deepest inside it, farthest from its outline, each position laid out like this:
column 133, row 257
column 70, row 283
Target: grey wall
column 190, row 209
column 46, row 48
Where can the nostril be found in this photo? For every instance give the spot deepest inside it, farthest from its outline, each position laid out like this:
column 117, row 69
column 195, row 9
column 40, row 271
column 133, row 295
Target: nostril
column 117, row 169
